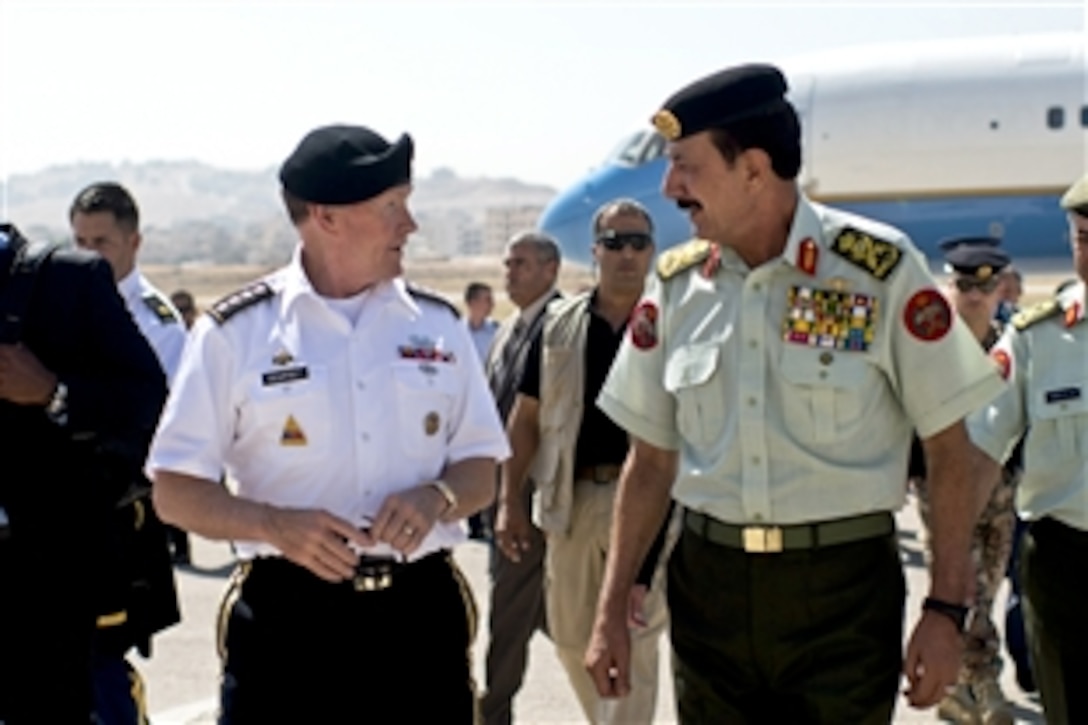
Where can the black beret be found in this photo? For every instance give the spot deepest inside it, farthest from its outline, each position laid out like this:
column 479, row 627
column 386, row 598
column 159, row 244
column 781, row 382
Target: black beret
column 345, row 165
column 727, row 96
column 979, row 257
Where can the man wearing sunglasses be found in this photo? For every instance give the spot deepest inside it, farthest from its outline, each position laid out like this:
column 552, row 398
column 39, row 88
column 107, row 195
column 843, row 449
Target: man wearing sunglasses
column 1043, row 354
column 575, row 452
column 975, row 266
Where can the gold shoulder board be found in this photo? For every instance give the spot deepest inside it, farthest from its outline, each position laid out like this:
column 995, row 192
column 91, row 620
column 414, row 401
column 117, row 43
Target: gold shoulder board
column 674, row 261
column 861, row 249
column 162, row 310
column 1036, row 313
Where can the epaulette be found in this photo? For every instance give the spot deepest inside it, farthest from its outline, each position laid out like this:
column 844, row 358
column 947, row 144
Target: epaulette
column 861, row 249
column 158, row 305
column 427, row 294
column 1036, row 313
column 674, row 261
column 235, row 302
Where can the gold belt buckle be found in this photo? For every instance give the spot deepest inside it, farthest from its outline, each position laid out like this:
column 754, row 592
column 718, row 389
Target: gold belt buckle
column 375, row 581
column 762, row 539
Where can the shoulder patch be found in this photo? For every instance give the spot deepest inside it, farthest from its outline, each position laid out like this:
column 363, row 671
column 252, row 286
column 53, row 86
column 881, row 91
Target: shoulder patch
column 674, row 261
column 861, row 249
column 235, row 302
column 428, row 294
column 162, row 310
column 1036, row 313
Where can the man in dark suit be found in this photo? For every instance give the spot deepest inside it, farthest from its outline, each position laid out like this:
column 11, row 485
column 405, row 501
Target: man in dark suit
column 517, row 593
column 80, row 395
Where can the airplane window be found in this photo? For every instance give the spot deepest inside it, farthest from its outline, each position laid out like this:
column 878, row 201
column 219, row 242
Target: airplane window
column 1084, row 116
column 654, row 148
column 629, row 150
column 1055, row 117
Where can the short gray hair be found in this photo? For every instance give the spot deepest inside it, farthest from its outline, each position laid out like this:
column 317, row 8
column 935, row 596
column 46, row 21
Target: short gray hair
column 546, row 248
column 621, row 207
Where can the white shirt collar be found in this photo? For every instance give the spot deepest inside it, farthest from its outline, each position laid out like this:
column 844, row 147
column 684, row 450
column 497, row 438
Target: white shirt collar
column 531, row 310
column 296, row 285
column 131, row 285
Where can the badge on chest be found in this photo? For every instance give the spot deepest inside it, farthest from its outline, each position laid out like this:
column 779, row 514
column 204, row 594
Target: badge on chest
column 830, row 318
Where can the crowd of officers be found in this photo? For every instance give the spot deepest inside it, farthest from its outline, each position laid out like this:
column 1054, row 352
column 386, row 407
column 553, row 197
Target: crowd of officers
column 712, row 443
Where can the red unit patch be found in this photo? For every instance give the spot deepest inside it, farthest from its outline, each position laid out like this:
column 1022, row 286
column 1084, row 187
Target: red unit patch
column 927, row 315
column 643, row 326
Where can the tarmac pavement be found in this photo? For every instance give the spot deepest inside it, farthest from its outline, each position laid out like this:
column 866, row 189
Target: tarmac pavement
column 182, row 675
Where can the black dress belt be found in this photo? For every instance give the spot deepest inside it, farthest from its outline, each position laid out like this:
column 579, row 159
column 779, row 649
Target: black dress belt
column 770, row 539
column 372, row 574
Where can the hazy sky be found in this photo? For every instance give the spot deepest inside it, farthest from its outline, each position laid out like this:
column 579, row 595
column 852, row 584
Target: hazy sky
column 533, row 90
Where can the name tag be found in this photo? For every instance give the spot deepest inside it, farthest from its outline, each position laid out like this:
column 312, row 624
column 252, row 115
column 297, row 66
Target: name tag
column 278, row 377
column 1062, row 395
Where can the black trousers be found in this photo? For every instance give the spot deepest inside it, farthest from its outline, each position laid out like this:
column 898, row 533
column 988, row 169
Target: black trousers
column 809, row 636
column 299, row 649
column 46, row 623
column 1053, row 564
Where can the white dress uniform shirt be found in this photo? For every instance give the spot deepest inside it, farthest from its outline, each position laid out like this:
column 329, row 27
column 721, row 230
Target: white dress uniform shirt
column 1046, row 363
column 157, row 319
column 791, row 390
column 305, row 410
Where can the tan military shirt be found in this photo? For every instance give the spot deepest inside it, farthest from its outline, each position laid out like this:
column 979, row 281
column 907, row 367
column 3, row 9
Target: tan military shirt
column 1044, row 354
column 791, row 390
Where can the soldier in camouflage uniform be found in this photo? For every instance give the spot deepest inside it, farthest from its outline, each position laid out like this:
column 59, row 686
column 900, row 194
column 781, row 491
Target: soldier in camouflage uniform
column 974, row 265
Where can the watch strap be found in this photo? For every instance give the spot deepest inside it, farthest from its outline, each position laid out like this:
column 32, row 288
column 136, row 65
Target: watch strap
column 956, row 612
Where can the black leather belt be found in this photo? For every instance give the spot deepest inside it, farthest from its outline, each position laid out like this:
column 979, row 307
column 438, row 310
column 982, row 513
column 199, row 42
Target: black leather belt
column 757, row 539
column 601, row 473
column 372, row 574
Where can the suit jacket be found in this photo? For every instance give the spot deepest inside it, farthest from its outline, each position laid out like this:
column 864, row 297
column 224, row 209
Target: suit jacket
column 504, row 383
column 59, row 483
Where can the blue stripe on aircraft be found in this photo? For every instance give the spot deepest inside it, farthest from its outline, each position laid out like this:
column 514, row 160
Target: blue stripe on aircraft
column 1031, row 226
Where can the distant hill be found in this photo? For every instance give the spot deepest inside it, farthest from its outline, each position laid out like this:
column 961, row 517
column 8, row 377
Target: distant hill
column 192, row 212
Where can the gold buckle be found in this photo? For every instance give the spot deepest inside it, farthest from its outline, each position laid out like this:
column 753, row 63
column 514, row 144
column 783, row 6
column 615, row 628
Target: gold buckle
column 762, row 539
column 373, row 582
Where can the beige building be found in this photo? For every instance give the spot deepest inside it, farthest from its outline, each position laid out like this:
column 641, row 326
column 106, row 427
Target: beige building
column 502, row 222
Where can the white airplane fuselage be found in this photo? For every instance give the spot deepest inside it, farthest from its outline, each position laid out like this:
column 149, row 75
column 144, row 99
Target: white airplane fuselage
column 940, row 138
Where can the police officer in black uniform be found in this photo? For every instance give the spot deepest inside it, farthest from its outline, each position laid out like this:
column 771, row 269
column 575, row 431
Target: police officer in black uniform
column 80, row 394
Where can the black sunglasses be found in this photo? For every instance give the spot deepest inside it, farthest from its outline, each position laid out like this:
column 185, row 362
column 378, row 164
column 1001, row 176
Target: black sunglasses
column 615, row 241
column 966, row 284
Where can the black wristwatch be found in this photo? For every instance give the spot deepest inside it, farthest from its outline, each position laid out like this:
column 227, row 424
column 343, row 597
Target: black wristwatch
column 956, row 612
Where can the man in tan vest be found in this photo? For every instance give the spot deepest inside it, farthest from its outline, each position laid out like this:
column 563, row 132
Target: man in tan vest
column 574, row 453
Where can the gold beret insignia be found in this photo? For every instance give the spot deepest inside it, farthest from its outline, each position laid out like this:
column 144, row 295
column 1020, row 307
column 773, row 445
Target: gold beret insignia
column 667, row 124
column 984, row 272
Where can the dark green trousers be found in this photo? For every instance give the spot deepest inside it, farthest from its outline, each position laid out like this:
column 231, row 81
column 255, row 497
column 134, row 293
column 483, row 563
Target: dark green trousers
column 811, row 636
column 1053, row 561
